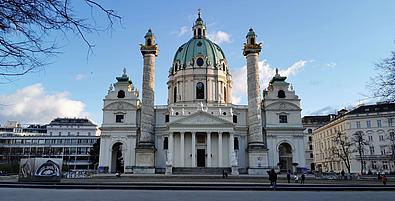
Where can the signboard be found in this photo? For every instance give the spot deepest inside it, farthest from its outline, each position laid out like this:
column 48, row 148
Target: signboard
column 40, row 169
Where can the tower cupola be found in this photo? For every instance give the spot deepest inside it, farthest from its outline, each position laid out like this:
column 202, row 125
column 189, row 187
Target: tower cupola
column 199, row 28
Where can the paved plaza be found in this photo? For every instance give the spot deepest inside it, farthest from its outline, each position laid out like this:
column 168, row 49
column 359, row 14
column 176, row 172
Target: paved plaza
column 10, row 194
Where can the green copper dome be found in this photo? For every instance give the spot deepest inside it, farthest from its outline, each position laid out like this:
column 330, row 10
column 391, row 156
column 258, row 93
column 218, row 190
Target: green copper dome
column 197, row 48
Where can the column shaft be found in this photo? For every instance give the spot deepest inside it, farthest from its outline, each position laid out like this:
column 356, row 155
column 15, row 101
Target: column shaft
column 231, row 147
column 208, row 149
column 193, row 149
column 171, row 145
column 182, row 149
column 219, row 149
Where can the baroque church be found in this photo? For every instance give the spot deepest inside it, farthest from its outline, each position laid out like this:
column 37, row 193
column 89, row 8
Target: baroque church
column 200, row 130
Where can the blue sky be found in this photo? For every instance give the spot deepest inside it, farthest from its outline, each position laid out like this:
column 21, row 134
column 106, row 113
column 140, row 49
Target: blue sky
column 327, row 48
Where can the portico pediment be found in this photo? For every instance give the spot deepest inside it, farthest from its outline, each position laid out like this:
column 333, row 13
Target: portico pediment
column 122, row 105
column 283, row 105
column 201, row 119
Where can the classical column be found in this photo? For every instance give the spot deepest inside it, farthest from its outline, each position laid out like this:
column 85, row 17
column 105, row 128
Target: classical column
column 145, row 150
column 208, row 149
column 231, row 147
column 182, row 149
column 171, row 147
column 193, row 149
column 219, row 149
column 257, row 152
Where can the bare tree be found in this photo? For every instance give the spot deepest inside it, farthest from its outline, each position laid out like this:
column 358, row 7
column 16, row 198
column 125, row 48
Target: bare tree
column 383, row 84
column 343, row 149
column 360, row 144
column 26, row 26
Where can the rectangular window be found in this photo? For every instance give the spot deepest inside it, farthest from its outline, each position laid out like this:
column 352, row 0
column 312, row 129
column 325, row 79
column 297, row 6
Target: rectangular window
column 370, row 138
column 385, row 165
column 374, row 166
column 368, row 124
column 379, row 123
column 119, row 118
column 381, row 137
column 166, row 143
column 311, row 147
column 358, row 124
column 382, row 150
column 311, row 155
column 235, row 119
column 236, row 143
column 166, row 118
column 371, row 149
column 283, row 118
column 310, row 139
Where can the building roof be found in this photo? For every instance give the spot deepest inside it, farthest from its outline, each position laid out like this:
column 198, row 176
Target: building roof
column 71, row 122
column 380, row 107
column 317, row 119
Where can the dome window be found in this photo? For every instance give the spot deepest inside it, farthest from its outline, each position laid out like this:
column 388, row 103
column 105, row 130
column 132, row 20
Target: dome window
column 199, row 62
column 281, row 94
column 199, row 44
column 121, row 94
column 199, row 90
column 199, row 32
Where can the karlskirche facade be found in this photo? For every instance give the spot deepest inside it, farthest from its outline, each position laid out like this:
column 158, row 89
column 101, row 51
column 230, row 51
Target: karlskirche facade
column 200, row 130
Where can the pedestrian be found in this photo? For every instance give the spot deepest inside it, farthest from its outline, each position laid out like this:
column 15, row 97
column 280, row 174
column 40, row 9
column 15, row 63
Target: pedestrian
column 296, row 178
column 384, row 179
column 273, row 178
column 303, row 178
column 289, row 176
column 342, row 173
column 379, row 177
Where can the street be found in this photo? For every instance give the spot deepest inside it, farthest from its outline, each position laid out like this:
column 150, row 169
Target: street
column 18, row 194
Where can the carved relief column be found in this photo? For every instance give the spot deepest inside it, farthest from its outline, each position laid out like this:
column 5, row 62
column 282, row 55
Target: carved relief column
column 219, row 149
column 193, row 149
column 231, row 147
column 208, row 149
column 182, row 149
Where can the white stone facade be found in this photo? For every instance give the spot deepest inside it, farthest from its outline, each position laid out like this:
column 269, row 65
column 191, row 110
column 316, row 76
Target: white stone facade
column 200, row 127
column 377, row 124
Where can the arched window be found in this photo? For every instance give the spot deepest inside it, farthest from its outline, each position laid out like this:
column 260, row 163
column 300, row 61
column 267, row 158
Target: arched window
column 175, row 94
column 225, row 94
column 199, row 32
column 121, row 94
column 252, row 40
column 149, row 42
column 199, row 90
column 281, row 94
column 176, row 67
column 223, row 67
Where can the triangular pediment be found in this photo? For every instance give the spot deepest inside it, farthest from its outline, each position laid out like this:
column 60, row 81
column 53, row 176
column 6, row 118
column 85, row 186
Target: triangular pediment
column 201, row 118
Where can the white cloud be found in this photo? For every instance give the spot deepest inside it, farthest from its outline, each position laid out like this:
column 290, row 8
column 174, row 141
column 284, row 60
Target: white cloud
column 219, row 37
column 266, row 72
column 331, row 64
column 80, row 76
column 33, row 104
column 183, row 30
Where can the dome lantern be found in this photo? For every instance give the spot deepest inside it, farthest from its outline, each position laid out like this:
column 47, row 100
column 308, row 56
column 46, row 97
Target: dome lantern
column 199, row 28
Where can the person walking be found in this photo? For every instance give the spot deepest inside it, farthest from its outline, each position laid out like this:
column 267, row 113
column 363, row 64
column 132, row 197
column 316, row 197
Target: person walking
column 342, row 173
column 289, row 176
column 303, row 178
column 273, row 179
column 384, row 179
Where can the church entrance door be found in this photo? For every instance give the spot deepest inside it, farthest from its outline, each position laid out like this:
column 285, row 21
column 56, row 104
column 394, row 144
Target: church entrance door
column 201, row 157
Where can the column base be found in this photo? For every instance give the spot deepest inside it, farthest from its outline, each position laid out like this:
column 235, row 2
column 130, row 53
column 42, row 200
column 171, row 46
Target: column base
column 145, row 160
column 257, row 159
column 235, row 170
column 169, row 170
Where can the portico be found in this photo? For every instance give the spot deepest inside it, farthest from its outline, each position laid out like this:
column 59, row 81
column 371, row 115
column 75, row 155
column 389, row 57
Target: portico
column 200, row 148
